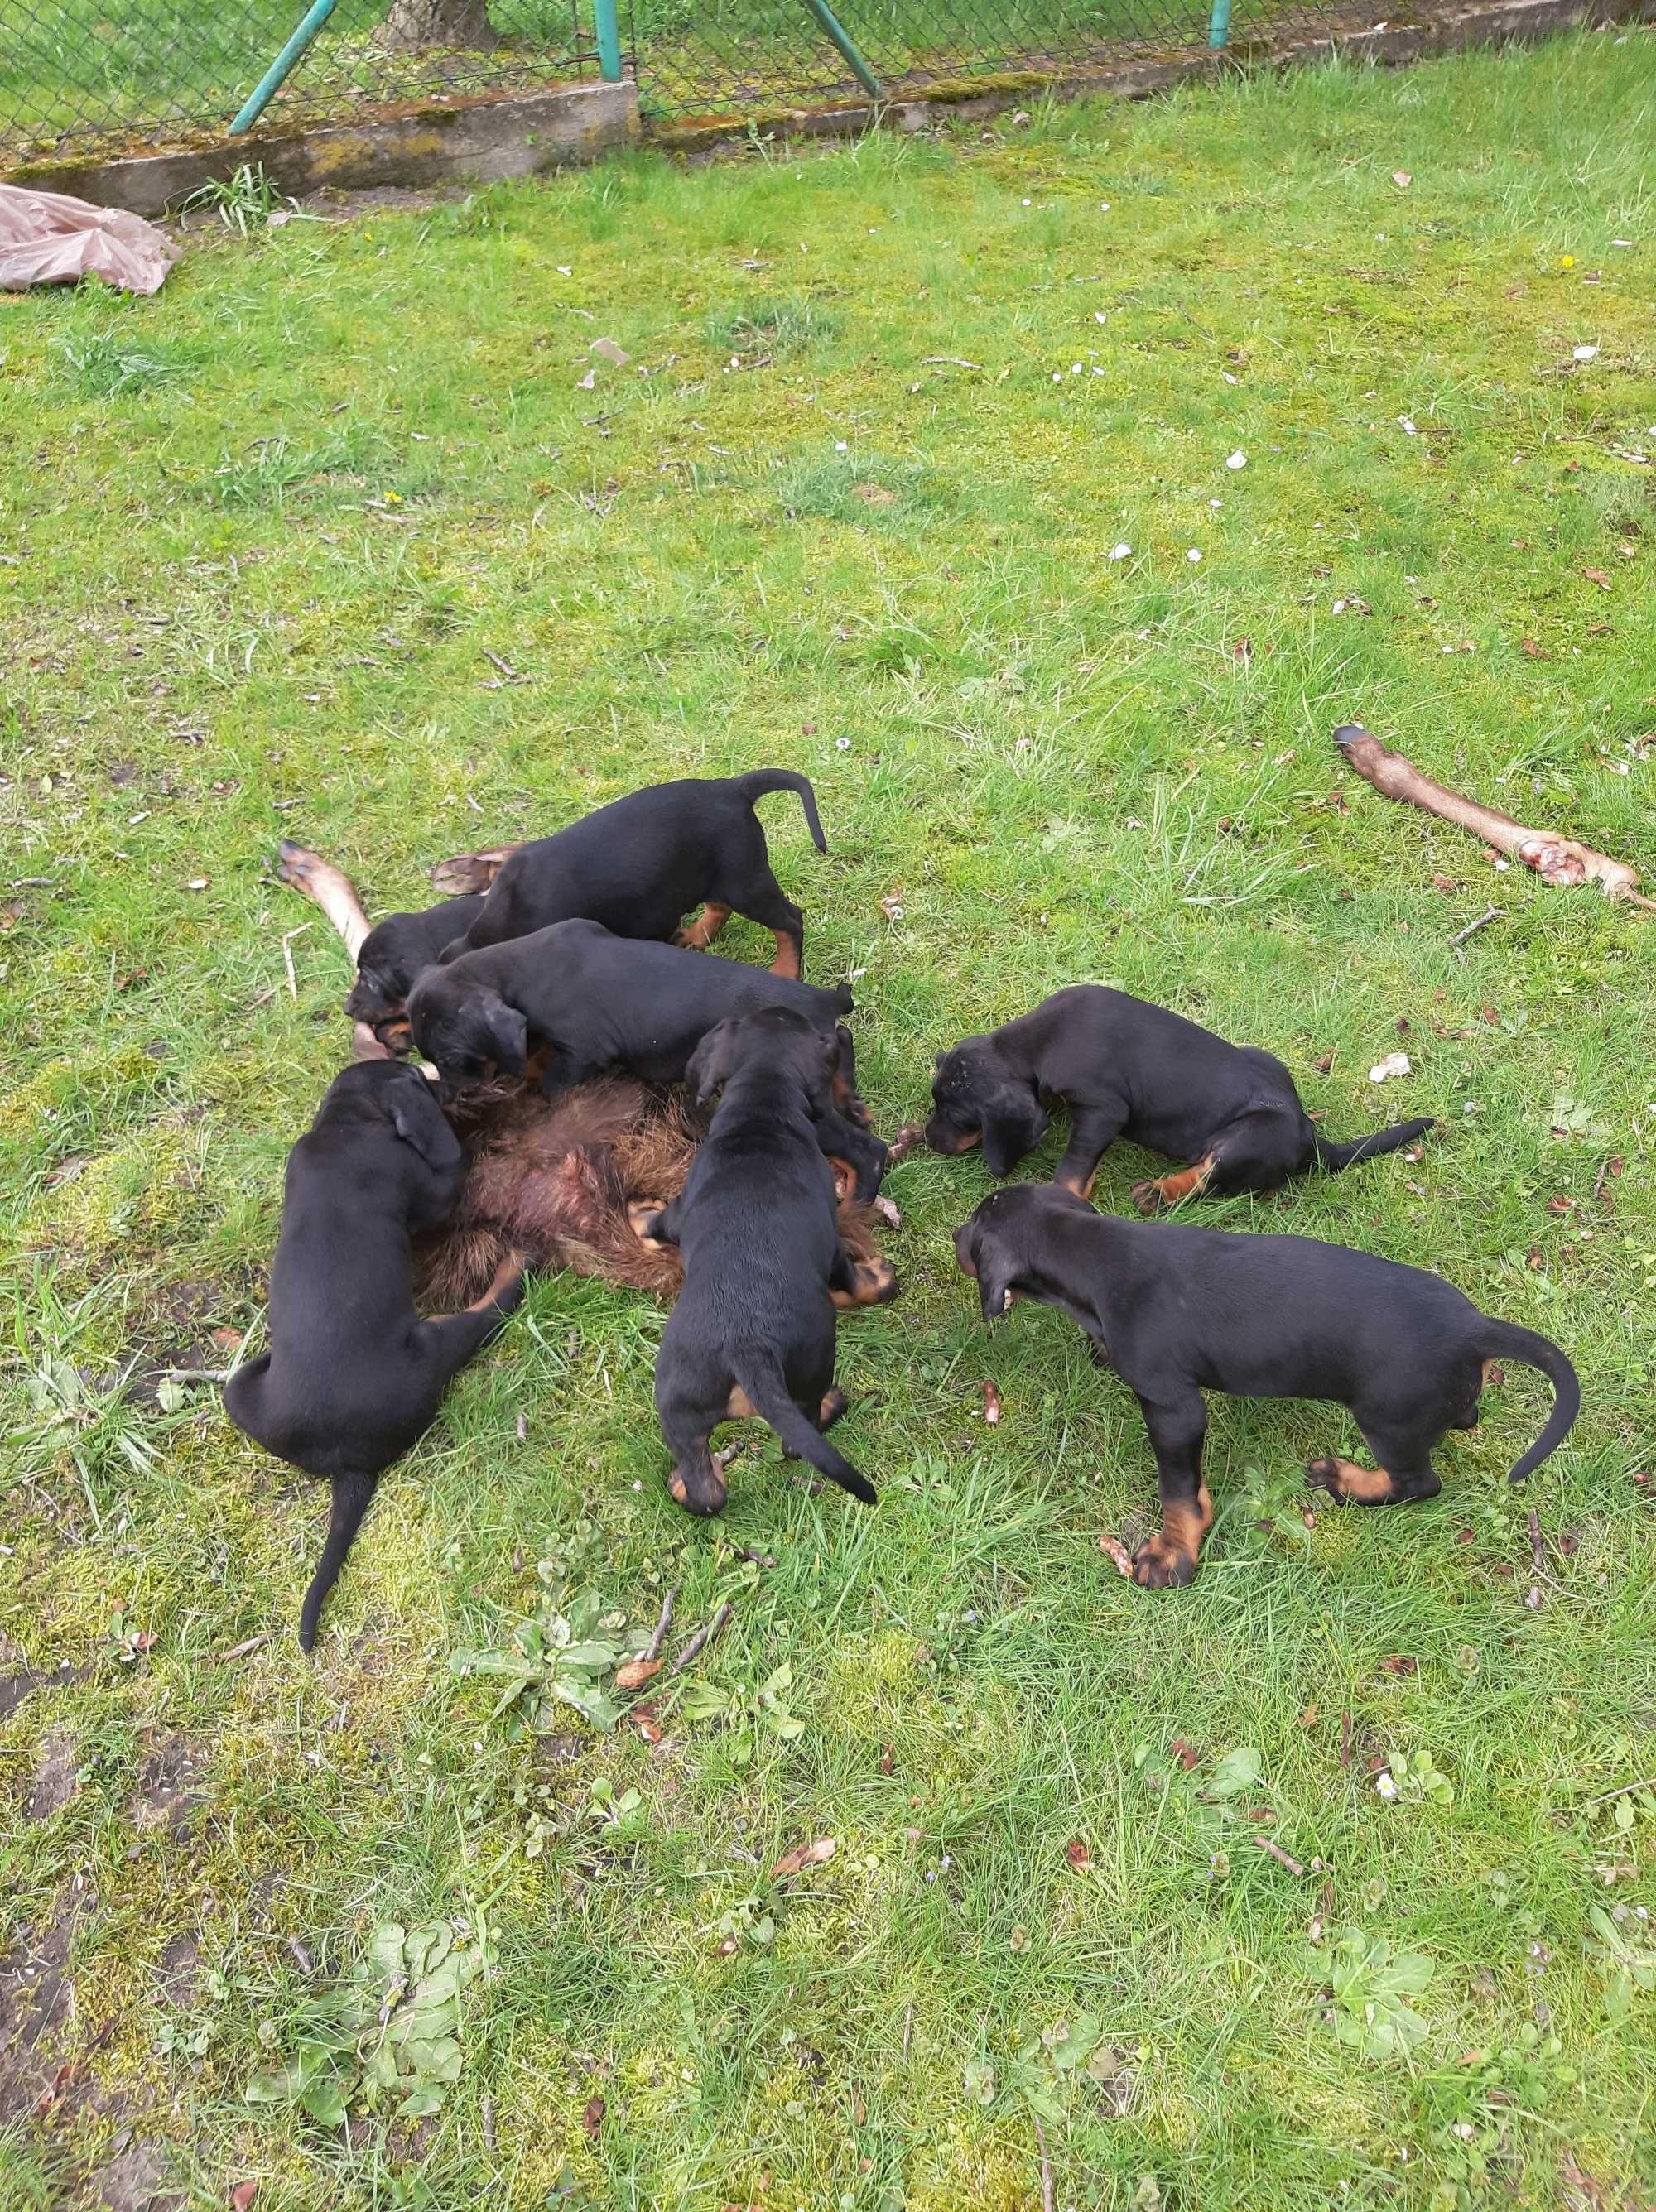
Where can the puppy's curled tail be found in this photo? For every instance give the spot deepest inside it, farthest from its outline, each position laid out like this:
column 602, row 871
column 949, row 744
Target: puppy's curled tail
column 1505, row 1339
column 350, row 1499
column 759, row 781
column 1336, row 1156
column 760, row 1375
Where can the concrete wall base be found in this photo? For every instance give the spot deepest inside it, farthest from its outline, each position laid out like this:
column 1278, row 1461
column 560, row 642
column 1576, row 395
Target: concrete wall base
column 473, row 141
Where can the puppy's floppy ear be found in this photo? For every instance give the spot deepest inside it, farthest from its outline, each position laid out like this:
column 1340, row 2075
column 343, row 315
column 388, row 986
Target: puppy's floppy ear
column 1015, row 1121
column 996, row 1271
column 504, row 1033
column 419, row 1121
column 709, row 1065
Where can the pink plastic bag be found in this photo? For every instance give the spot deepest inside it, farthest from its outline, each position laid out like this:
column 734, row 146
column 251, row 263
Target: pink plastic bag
column 46, row 238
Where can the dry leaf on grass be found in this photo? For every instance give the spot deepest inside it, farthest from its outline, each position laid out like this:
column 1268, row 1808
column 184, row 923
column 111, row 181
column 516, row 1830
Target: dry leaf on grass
column 1078, row 1856
column 607, row 349
column 592, row 2117
column 635, row 1674
column 1402, row 179
column 1597, row 576
column 243, row 2195
column 891, row 906
column 802, row 1855
column 991, row 1404
column 874, row 495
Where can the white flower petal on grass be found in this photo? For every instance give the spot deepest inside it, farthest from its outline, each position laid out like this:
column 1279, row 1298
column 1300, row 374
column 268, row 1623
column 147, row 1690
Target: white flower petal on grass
column 1584, row 353
column 1194, row 554
column 1238, row 459
column 1394, row 1063
column 1121, row 552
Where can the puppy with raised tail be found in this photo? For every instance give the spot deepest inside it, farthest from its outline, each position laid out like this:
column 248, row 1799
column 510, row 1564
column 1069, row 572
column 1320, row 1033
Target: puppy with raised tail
column 753, row 1332
column 1177, row 1311
column 354, row 1377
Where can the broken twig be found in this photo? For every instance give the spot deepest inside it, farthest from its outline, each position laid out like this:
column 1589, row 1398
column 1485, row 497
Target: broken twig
column 287, row 956
column 1560, row 862
column 698, row 1642
column 1276, row 1851
column 220, row 1374
column 1490, row 913
column 653, row 1649
column 1046, row 2169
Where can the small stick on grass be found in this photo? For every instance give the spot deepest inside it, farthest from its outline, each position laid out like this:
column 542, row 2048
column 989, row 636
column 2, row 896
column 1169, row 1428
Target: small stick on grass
column 1276, row 1851
column 1490, row 913
column 908, row 2029
column 220, row 1374
column 1536, row 1552
column 702, row 1639
column 1598, row 1180
column 1046, row 2169
column 244, row 1650
column 287, row 956
column 486, row 2110
column 653, row 1649
column 1626, row 1791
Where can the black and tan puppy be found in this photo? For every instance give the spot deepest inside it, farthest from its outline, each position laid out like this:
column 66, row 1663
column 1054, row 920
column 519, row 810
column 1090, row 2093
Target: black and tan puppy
column 354, row 1377
column 396, row 949
column 639, row 866
column 828, row 1071
column 753, row 1332
column 599, row 1002
column 1177, row 1311
column 1125, row 1068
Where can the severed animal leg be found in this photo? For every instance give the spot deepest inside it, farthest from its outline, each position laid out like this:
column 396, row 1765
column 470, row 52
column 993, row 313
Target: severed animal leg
column 1560, row 862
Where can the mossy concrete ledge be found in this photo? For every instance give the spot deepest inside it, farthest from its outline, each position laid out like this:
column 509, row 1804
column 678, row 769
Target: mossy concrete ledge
column 431, row 143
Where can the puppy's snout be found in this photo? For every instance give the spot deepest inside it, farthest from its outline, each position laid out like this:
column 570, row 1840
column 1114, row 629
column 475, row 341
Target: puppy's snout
column 945, row 1136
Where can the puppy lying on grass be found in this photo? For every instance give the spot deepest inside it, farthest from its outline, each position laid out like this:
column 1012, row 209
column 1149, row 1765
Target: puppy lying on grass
column 1125, row 1068
column 753, row 1331
column 354, row 1377
column 1177, row 1311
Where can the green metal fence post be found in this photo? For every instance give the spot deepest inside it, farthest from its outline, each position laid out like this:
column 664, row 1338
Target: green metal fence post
column 280, row 69
column 609, row 40
column 840, row 39
column 1218, row 23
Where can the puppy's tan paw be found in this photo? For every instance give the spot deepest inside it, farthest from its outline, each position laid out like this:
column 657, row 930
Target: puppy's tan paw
column 1159, row 1563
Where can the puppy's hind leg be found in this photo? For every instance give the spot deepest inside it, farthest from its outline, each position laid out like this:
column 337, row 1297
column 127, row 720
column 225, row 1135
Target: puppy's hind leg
column 695, row 1483
column 705, row 928
column 1404, row 1472
column 762, row 902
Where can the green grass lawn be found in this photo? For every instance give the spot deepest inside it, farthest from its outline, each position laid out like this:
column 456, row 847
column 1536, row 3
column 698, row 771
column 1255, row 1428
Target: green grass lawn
column 851, row 506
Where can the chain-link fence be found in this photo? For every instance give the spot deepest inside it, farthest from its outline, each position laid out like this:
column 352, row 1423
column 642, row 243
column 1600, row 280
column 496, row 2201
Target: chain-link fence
column 95, row 75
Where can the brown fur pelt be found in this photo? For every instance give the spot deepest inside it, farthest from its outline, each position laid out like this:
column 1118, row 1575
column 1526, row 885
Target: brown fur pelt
column 553, row 1179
